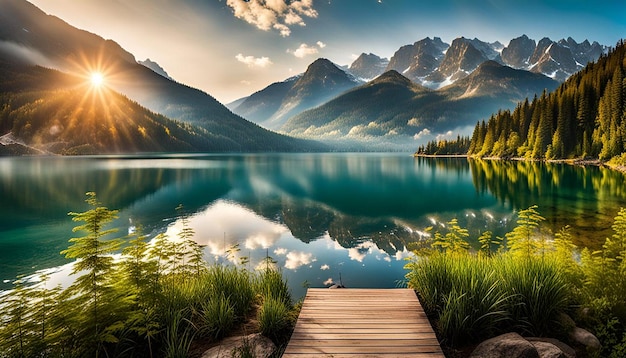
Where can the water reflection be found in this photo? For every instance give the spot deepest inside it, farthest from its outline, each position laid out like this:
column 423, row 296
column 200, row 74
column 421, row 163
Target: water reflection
column 316, row 214
column 586, row 198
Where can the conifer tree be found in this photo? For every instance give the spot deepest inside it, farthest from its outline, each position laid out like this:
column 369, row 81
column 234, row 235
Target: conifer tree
column 522, row 241
column 94, row 262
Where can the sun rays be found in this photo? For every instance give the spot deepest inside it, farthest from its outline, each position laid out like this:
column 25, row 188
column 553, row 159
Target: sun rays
column 96, row 79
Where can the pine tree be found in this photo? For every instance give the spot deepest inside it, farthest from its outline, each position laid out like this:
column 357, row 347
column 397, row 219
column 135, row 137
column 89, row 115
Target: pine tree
column 94, row 262
column 522, row 241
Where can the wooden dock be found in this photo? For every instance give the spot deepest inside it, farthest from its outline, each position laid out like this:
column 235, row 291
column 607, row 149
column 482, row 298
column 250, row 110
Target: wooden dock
column 362, row 323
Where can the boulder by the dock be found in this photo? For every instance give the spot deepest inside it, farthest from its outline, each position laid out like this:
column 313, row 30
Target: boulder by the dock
column 261, row 346
column 508, row 345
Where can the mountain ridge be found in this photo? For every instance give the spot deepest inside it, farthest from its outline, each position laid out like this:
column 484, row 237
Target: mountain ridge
column 31, row 37
column 396, row 112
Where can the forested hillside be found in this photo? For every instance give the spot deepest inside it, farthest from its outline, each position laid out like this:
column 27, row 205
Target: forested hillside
column 584, row 118
column 44, row 111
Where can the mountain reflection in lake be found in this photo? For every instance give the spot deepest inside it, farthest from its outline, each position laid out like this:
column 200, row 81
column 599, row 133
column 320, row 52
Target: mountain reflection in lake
column 316, row 215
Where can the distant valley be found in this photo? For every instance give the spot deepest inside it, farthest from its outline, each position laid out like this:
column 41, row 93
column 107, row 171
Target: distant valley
column 426, row 90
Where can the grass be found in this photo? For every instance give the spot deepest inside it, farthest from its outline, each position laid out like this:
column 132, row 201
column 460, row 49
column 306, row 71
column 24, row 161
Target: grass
column 475, row 297
column 524, row 286
column 274, row 318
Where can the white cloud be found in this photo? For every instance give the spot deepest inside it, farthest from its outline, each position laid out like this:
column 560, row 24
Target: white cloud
column 359, row 252
column 296, row 259
column 328, row 282
column 413, row 122
column 303, row 51
column 273, row 14
column 252, row 61
column 446, row 135
column 280, row 251
column 325, row 267
column 423, row 133
column 284, row 29
column 320, row 44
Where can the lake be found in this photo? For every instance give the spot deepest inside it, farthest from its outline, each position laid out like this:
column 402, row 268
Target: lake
column 319, row 216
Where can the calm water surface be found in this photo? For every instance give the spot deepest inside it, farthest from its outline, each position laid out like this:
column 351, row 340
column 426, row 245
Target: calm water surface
column 317, row 215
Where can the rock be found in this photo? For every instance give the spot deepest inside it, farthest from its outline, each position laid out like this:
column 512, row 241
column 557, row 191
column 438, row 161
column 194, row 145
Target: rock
column 262, row 346
column 584, row 342
column 548, row 350
column 567, row 351
column 566, row 322
column 508, row 345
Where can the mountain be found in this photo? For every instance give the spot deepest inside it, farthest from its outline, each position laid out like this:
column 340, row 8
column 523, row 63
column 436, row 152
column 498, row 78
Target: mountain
column 155, row 67
column 392, row 111
column 517, row 54
column 583, row 118
column 557, row 60
column 368, row 66
column 435, row 64
column 418, row 60
column 48, row 112
column 462, row 57
column 275, row 104
column 263, row 104
column 30, row 37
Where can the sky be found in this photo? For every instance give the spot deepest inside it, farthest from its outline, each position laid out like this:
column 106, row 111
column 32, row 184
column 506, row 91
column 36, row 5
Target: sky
column 232, row 48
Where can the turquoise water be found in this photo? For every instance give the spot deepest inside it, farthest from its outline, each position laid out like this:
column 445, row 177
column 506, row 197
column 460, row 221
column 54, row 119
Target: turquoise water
column 318, row 216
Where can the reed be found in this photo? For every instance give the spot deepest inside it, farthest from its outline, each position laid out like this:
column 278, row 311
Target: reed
column 218, row 317
column 274, row 317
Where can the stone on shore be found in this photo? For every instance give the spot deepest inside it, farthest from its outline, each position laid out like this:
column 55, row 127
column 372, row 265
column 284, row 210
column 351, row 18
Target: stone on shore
column 508, row 345
column 262, row 347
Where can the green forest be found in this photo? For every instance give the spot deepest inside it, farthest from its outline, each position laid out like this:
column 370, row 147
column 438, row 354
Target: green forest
column 50, row 112
column 584, row 118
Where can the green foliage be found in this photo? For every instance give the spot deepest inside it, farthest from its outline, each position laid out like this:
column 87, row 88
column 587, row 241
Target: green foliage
column 523, row 240
column 272, row 285
column 538, row 293
column 150, row 301
column 583, row 118
column 274, row 317
column 178, row 335
column 487, row 242
column 475, row 296
column 218, row 317
column 94, row 286
column 458, row 146
column 455, row 239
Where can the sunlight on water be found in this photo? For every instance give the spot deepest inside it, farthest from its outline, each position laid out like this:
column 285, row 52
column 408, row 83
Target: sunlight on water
column 318, row 215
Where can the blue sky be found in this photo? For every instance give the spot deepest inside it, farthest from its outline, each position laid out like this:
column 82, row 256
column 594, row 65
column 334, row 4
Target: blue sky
column 231, row 48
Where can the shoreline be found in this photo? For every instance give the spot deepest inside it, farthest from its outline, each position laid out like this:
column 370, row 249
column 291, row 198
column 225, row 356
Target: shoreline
column 578, row 162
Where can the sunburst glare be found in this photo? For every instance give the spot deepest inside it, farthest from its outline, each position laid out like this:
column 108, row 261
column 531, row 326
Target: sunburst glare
column 97, row 79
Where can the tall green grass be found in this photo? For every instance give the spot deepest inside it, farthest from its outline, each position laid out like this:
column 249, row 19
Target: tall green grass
column 156, row 304
column 475, row 297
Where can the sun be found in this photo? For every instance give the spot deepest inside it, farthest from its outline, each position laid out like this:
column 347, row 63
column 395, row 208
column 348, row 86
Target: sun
column 97, row 79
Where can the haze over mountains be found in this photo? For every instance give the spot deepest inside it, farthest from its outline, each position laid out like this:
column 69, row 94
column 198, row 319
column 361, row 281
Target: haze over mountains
column 452, row 97
column 30, row 37
column 424, row 90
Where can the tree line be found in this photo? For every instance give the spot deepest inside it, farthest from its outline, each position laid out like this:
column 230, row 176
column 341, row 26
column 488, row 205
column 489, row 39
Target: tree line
column 584, row 118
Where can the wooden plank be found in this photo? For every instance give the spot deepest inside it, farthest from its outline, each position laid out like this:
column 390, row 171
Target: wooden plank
column 361, row 323
column 361, row 355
